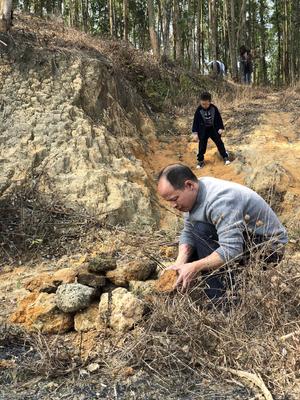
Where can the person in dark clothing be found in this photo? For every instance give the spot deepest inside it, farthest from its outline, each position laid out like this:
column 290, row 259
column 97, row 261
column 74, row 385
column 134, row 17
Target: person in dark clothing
column 246, row 65
column 217, row 69
column 208, row 124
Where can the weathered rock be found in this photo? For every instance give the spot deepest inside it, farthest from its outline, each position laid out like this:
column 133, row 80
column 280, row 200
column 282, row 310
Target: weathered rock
column 169, row 251
column 142, row 288
column 92, row 280
column 166, row 282
column 38, row 312
column 93, row 367
column 136, row 270
column 80, row 128
column 120, row 311
column 74, row 297
column 87, row 319
column 49, row 281
column 102, row 264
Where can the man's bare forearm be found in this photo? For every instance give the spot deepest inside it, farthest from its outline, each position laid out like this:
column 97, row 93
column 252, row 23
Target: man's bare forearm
column 184, row 253
column 209, row 263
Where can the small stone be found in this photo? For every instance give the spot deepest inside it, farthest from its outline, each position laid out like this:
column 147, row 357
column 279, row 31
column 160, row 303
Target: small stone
column 93, row 367
column 136, row 270
column 74, row 297
column 38, row 312
column 142, row 288
column 83, row 373
column 92, row 280
column 102, row 264
column 169, row 251
column 64, row 275
column 166, row 282
column 120, row 311
column 87, row 319
column 48, row 281
column 51, row 385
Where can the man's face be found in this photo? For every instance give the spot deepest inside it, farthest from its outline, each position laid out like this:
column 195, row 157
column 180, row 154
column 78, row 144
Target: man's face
column 205, row 104
column 181, row 199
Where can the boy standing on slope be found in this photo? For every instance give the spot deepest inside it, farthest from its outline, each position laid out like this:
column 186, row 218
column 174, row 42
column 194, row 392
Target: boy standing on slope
column 208, row 124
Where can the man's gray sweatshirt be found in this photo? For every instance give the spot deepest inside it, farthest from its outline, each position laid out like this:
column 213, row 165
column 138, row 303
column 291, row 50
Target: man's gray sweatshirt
column 234, row 210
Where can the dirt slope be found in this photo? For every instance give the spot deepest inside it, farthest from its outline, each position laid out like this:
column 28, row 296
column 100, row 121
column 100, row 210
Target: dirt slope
column 263, row 138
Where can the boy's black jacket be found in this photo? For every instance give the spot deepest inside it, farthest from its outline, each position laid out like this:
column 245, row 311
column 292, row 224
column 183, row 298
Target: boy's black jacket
column 198, row 124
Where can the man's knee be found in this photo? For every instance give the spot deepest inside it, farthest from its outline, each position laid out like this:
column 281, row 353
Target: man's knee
column 205, row 229
column 206, row 239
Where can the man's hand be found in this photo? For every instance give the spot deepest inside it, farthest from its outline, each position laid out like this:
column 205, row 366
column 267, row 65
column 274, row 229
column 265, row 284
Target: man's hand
column 195, row 137
column 187, row 273
column 221, row 131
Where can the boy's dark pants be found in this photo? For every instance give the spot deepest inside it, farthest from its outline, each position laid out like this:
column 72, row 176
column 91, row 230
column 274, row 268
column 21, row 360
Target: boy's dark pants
column 206, row 240
column 215, row 137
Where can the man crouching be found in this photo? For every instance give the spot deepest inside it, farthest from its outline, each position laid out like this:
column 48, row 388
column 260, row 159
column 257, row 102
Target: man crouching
column 222, row 219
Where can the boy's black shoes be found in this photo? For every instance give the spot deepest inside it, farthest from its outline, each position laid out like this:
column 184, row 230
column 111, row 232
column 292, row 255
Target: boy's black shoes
column 226, row 161
column 200, row 164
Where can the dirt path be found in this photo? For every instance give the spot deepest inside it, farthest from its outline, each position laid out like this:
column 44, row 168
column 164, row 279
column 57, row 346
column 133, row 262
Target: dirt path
column 263, row 137
column 269, row 158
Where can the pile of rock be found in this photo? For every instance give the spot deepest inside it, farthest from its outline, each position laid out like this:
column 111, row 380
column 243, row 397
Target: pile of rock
column 101, row 294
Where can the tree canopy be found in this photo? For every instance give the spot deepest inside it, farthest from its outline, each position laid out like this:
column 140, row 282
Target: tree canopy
column 193, row 32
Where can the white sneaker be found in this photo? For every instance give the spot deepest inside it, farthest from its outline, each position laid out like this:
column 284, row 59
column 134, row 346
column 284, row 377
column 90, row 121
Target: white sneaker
column 200, row 164
column 226, row 161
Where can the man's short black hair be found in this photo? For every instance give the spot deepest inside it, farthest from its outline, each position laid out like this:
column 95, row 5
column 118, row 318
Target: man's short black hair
column 205, row 96
column 177, row 175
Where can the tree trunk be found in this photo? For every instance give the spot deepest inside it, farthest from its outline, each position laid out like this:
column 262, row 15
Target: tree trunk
column 85, row 16
column 213, row 29
column 190, row 34
column 125, row 18
column 5, row 15
column 295, row 33
column 49, row 5
column 241, row 37
column 263, row 40
column 232, row 38
column 27, row 4
column 76, row 14
column 152, row 30
column 286, row 44
column 38, row 7
column 278, row 28
column 166, row 20
column 177, row 31
column 111, row 17
column 199, row 34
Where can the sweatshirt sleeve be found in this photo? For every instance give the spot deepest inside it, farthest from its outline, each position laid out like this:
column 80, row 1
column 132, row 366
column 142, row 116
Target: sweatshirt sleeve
column 218, row 118
column 187, row 236
column 227, row 217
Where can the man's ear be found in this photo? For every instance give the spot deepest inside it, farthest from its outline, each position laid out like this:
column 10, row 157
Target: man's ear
column 189, row 185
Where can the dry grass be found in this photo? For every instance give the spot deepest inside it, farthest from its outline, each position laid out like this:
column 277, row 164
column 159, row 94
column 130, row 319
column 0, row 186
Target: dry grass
column 186, row 342
column 256, row 330
column 34, row 223
column 35, row 356
column 241, row 97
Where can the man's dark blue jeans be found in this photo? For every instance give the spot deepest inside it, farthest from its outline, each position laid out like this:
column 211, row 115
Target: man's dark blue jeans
column 206, row 242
